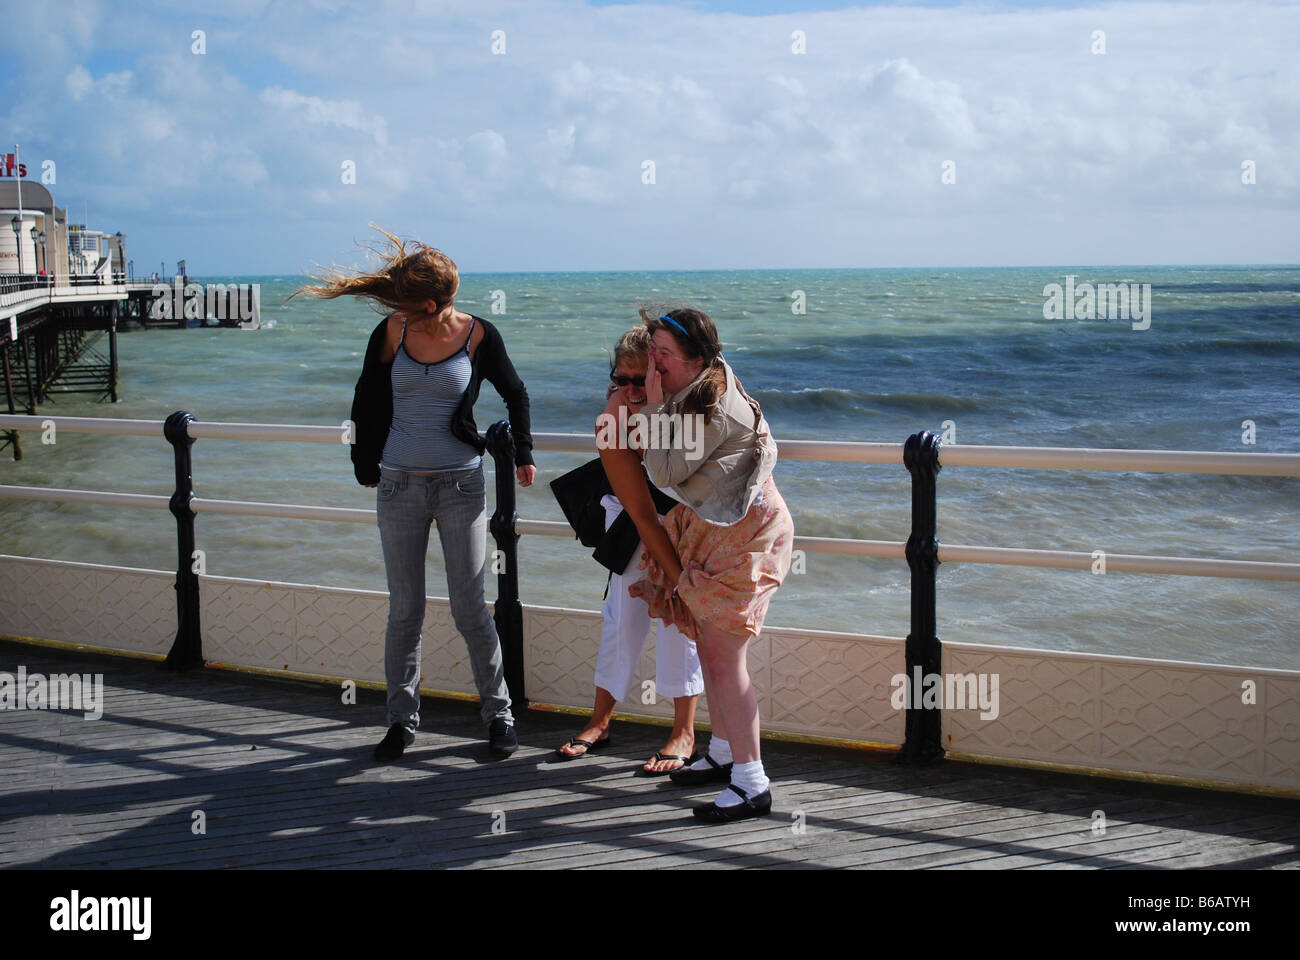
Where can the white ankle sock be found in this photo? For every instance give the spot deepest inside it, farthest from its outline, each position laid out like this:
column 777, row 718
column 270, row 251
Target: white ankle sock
column 719, row 750
column 748, row 777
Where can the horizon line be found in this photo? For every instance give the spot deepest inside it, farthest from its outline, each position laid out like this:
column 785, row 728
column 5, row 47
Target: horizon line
column 627, row 270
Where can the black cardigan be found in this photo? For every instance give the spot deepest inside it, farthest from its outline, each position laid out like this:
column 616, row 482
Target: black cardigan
column 372, row 403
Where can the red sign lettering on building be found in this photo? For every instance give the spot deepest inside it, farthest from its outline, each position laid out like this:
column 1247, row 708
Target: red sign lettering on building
column 11, row 165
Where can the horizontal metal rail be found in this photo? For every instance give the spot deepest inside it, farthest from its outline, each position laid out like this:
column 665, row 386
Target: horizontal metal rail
column 1121, row 562
column 294, row 511
column 8, row 492
column 885, row 549
column 829, row 451
column 138, row 428
column 299, row 433
column 1144, row 461
column 821, row 451
column 1254, row 464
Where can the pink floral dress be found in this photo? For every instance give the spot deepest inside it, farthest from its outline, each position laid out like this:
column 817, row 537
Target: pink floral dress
column 729, row 573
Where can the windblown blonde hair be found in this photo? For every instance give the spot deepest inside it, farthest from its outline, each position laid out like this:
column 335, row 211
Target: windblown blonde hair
column 409, row 275
column 633, row 343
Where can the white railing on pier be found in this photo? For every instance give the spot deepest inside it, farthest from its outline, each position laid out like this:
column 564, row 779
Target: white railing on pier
column 1053, row 458
column 1129, row 716
column 16, row 301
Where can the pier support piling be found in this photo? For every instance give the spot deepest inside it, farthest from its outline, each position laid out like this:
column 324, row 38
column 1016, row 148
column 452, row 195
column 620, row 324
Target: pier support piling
column 11, row 436
column 24, row 346
column 112, row 357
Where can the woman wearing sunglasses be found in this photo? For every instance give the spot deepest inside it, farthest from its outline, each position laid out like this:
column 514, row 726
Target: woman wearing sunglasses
column 627, row 618
column 713, row 565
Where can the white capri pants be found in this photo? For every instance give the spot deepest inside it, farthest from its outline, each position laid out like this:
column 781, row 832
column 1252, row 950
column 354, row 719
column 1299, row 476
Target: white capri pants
column 627, row 624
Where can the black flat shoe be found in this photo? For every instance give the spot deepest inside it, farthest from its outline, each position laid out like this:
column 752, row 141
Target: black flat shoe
column 717, row 773
column 394, row 743
column 501, row 738
column 759, row 806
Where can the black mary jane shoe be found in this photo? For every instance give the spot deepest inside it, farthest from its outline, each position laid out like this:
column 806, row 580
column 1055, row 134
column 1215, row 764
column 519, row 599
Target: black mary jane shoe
column 759, row 806
column 716, row 773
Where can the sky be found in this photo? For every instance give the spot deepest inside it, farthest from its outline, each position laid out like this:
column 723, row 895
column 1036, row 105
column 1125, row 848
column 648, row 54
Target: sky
column 264, row 137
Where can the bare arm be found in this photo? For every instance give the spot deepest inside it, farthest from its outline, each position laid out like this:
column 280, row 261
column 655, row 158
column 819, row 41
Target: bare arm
column 626, row 476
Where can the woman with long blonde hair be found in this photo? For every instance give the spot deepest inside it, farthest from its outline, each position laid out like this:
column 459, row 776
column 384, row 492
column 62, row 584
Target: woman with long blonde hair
column 415, row 439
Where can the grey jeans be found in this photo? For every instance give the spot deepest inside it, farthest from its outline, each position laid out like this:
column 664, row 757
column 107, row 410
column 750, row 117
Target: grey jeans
column 457, row 501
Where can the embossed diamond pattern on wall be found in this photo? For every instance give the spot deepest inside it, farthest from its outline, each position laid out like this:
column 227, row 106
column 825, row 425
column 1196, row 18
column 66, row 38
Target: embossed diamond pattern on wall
column 341, row 634
column 1159, row 717
column 832, row 685
column 322, row 630
column 247, row 623
column 1128, row 714
column 1280, row 742
column 118, row 608
column 560, row 654
column 1047, row 709
column 1175, row 721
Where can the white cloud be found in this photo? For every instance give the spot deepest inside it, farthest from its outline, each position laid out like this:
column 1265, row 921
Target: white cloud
column 79, row 82
column 747, row 137
column 343, row 113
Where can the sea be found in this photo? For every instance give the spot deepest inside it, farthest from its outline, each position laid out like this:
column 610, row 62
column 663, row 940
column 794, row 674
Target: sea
column 979, row 356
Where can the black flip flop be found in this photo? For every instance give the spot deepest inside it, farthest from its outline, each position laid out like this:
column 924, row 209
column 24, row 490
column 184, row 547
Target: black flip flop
column 574, row 741
column 686, row 762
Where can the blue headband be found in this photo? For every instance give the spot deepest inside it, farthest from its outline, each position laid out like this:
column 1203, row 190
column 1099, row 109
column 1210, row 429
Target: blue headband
column 678, row 326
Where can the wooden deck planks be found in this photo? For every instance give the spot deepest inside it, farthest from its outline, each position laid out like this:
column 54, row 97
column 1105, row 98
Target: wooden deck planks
column 283, row 774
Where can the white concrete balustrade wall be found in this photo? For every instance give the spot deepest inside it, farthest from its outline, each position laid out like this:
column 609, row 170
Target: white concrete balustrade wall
column 1127, row 715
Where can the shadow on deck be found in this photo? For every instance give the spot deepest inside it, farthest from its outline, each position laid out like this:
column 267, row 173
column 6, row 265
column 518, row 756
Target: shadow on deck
column 283, row 776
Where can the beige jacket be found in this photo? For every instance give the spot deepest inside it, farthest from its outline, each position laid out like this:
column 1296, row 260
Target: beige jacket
column 718, row 471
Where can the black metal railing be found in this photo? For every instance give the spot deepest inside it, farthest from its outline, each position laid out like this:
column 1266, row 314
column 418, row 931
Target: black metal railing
column 923, row 740
column 920, row 454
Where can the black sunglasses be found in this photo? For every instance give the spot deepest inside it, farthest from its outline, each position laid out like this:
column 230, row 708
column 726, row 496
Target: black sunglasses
column 622, row 381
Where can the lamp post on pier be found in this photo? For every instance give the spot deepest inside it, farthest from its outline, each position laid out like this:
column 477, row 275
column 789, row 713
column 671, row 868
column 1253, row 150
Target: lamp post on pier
column 18, row 242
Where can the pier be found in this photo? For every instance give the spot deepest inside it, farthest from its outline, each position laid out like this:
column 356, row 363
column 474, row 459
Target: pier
column 266, row 717
column 283, row 777
column 62, row 338
column 66, row 291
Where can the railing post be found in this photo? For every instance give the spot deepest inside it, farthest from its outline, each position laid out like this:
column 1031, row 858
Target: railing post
column 187, row 649
column 508, row 613
column 25, row 345
column 923, row 740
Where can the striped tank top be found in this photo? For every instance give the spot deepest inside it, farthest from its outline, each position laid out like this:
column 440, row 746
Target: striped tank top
column 425, row 397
